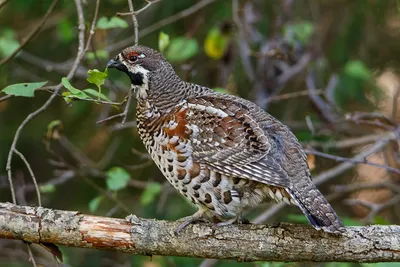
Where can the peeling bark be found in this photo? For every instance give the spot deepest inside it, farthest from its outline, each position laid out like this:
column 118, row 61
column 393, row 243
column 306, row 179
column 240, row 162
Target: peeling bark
column 285, row 242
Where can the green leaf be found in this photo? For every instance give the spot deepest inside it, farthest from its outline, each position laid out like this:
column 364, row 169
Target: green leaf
column 96, row 94
column 113, row 22
column 117, row 178
column 181, row 49
column 151, row 191
column 95, row 203
column 47, row 188
column 8, row 43
column 357, row 69
column 163, row 41
column 97, row 77
column 73, row 92
column 23, row 89
column 65, row 82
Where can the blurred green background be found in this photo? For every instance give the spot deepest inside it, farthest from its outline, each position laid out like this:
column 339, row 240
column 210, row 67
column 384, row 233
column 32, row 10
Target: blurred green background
column 262, row 50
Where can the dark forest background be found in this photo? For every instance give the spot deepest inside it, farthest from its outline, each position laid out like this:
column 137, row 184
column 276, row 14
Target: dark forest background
column 327, row 69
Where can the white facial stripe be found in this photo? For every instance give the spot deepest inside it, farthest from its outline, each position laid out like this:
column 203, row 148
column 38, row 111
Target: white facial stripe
column 141, row 90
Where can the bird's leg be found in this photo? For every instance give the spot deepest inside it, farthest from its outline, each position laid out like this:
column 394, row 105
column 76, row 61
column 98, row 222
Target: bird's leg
column 238, row 218
column 198, row 216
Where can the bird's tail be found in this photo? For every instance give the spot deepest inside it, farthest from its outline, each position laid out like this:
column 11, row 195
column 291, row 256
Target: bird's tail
column 316, row 208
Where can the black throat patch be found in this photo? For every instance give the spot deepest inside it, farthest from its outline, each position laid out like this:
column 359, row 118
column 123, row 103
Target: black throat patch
column 136, row 78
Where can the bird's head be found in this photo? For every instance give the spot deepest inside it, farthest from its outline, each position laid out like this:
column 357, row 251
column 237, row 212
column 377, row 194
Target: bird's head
column 139, row 62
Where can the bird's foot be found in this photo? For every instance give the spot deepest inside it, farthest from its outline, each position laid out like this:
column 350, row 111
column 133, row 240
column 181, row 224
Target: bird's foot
column 198, row 216
column 238, row 219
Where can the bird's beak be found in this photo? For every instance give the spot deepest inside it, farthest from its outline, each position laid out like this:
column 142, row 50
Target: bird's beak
column 114, row 64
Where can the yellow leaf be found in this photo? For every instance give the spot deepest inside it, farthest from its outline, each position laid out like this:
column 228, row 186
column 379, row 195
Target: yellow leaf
column 215, row 44
column 311, row 161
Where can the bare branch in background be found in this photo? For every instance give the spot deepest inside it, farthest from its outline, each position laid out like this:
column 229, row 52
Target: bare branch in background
column 158, row 25
column 324, row 108
column 355, row 161
column 3, row 98
column 31, row 257
column 79, row 56
column 244, row 48
column 3, row 3
column 349, row 142
column 135, row 23
column 32, row 175
column 132, row 12
column 32, row 34
column 341, row 168
column 291, row 95
column 373, row 207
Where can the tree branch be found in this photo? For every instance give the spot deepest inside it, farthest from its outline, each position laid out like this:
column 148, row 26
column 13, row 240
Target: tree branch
column 285, row 242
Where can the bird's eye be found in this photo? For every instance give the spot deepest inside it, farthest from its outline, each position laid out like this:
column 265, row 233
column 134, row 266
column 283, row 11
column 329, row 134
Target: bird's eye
column 133, row 58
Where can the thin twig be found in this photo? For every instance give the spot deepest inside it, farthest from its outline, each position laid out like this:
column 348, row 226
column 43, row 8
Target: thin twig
column 395, row 105
column 349, row 142
column 302, row 63
column 79, row 56
column 31, row 257
column 32, row 34
column 128, row 104
column 355, row 161
column 111, row 118
column 123, row 114
column 371, row 118
column 310, row 125
column 32, row 175
column 244, row 46
column 149, row 3
column 361, row 186
column 292, row 95
column 341, row 168
column 92, row 27
column 100, row 101
column 139, row 166
column 5, row 97
column 156, row 26
column 135, row 22
column 118, row 127
column 61, row 179
column 324, row 108
column 330, row 89
column 3, row 3
column 373, row 123
column 373, row 207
